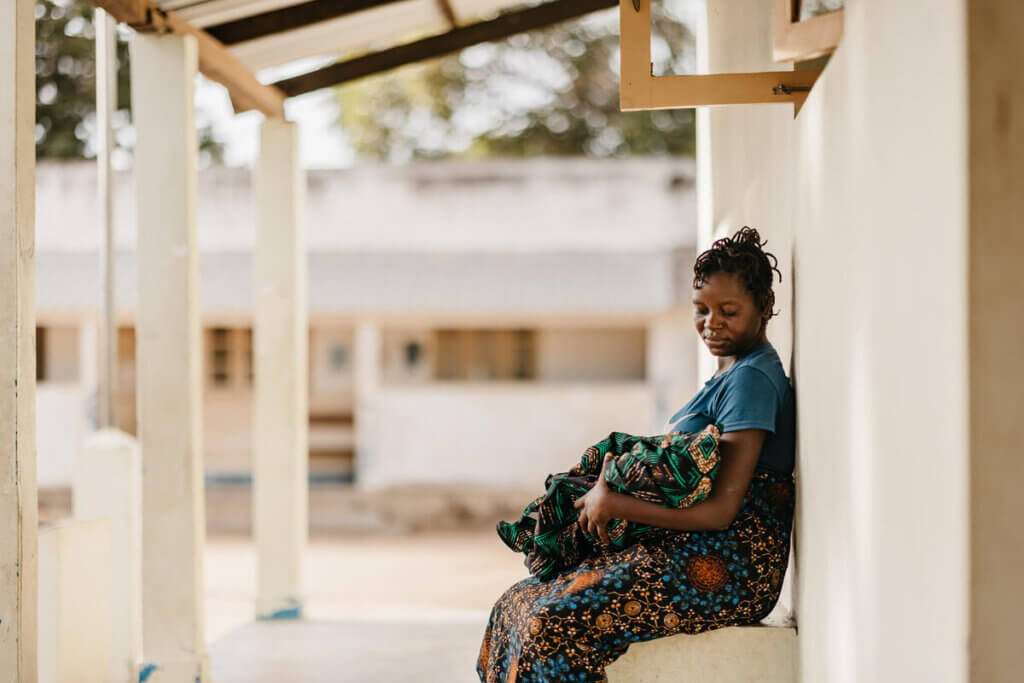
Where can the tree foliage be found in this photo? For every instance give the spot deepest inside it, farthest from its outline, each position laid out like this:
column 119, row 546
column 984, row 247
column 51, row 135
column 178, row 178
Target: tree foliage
column 66, row 85
column 548, row 92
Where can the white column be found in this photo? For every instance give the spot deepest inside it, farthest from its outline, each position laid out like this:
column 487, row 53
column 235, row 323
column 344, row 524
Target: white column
column 671, row 365
column 168, row 361
column 106, row 105
column 18, row 497
column 367, row 381
column 107, row 483
column 280, row 455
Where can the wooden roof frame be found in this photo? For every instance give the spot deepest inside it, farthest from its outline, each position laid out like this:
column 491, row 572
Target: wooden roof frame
column 247, row 93
column 641, row 90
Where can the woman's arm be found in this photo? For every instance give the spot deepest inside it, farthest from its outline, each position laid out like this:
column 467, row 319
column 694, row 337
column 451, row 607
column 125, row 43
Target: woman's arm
column 739, row 452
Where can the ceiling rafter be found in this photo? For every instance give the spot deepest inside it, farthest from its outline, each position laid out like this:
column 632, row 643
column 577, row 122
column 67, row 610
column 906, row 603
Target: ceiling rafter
column 505, row 25
column 288, row 18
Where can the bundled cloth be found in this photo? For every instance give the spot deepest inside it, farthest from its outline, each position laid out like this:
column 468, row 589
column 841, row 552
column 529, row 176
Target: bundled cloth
column 673, row 470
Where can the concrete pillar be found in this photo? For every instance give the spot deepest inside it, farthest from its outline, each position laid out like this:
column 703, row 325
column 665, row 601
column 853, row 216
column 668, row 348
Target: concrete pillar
column 107, row 484
column 671, row 365
column 168, row 358
column 367, row 382
column 280, row 454
column 88, row 377
column 75, row 602
column 18, row 496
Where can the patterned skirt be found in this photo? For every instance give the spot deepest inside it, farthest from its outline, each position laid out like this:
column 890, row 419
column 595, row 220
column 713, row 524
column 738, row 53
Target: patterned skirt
column 571, row 627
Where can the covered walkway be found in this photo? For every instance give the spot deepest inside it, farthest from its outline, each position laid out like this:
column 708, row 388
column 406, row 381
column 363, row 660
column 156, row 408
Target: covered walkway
column 892, row 200
column 151, row 489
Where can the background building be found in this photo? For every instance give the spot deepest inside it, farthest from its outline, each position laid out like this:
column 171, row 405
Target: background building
column 455, row 337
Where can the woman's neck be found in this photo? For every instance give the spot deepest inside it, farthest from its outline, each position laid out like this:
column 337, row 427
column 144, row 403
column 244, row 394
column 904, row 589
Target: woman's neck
column 726, row 362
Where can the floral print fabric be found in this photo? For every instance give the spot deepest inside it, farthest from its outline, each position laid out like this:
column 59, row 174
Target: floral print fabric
column 570, row 628
column 672, row 470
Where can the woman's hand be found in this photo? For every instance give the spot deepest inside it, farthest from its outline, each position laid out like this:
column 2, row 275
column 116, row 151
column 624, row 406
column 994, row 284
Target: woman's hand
column 595, row 506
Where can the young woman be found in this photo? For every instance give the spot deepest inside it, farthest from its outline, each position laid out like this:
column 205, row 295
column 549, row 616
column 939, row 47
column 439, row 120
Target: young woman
column 718, row 563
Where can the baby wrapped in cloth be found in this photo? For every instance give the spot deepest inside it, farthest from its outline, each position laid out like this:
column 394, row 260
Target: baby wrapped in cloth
column 672, row 470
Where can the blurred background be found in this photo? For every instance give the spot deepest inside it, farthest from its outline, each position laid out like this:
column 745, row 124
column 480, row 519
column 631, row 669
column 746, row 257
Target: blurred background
column 499, row 264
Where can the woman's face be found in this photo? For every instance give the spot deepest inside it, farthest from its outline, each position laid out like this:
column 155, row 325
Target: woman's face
column 727, row 319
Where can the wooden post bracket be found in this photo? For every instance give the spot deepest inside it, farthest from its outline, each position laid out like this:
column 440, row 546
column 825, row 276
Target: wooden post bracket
column 639, row 89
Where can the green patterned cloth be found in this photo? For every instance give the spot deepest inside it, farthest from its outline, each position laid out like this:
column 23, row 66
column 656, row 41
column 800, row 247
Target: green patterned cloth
column 673, row 470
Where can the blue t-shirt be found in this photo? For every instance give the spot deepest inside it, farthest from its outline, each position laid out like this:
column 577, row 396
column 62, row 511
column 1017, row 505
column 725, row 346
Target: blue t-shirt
column 753, row 394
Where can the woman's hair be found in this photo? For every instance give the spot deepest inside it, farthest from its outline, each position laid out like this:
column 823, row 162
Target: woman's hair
column 741, row 254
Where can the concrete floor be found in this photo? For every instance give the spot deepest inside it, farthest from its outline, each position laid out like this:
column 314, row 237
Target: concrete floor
column 378, row 609
column 360, row 651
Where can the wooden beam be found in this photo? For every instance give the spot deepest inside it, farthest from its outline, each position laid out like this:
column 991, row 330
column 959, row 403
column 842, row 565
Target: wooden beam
column 452, row 41
column 215, row 62
column 287, row 18
column 707, row 90
column 131, row 12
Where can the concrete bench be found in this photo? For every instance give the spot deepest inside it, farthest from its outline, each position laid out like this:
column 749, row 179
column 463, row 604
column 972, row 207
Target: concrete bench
column 747, row 654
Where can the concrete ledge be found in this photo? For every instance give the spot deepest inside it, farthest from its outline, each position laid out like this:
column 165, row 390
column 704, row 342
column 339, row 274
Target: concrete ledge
column 747, row 654
column 75, row 619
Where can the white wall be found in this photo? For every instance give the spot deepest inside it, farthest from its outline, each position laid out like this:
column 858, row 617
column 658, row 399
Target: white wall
column 502, row 205
column 501, row 435
column 867, row 188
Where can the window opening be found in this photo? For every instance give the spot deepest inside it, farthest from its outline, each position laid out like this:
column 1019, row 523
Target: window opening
column 220, row 356
column 485, row 355
column 338, row 358
column 413, row 352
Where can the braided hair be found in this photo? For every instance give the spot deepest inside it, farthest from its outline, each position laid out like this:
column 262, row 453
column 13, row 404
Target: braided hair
column 742, row 254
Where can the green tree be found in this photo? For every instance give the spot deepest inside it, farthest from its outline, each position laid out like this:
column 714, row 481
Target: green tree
column 548, row 92
column 66, row 84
